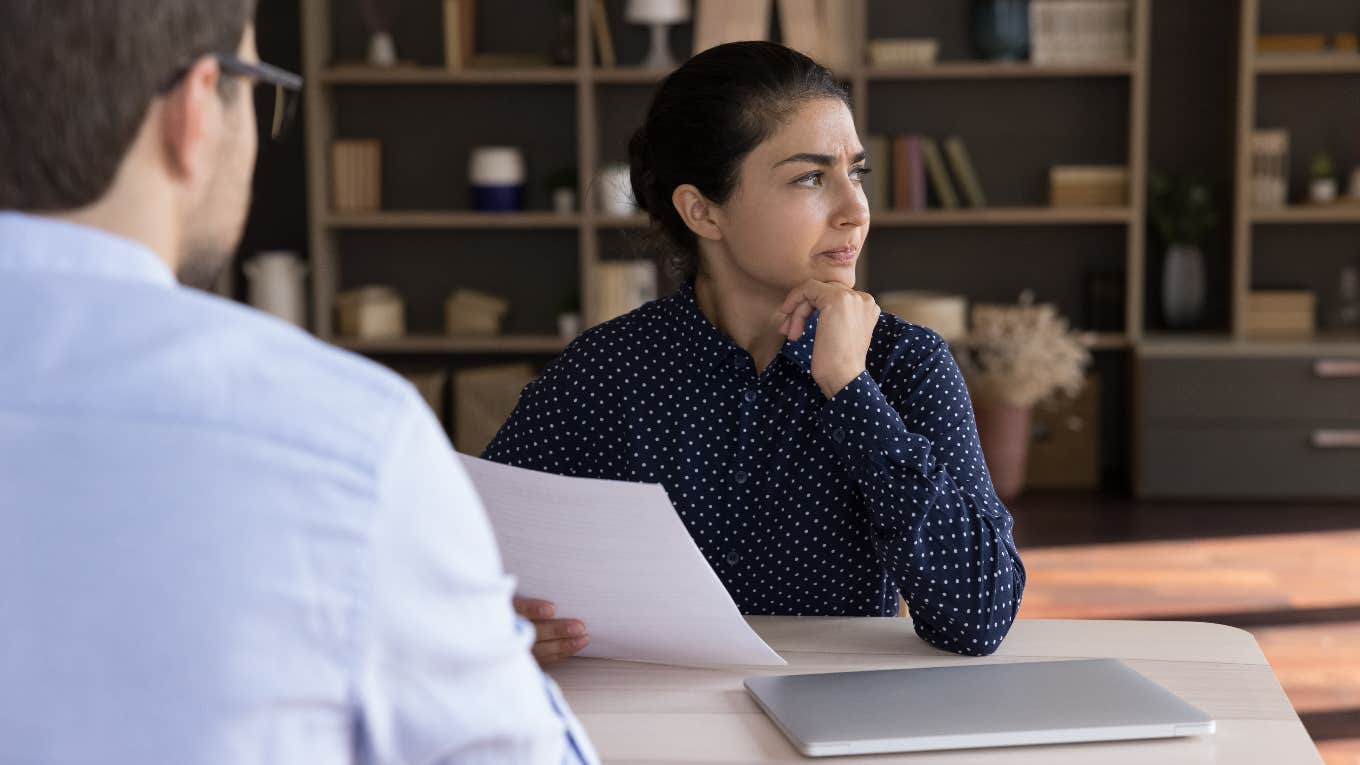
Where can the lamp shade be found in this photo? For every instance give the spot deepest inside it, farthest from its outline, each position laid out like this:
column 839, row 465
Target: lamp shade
column 657, row 11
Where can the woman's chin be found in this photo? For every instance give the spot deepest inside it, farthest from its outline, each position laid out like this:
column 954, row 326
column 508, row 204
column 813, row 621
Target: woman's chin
column 837, row 273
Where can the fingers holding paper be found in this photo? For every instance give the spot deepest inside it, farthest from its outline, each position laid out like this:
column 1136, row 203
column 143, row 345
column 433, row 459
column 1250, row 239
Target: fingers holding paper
column 555, row 639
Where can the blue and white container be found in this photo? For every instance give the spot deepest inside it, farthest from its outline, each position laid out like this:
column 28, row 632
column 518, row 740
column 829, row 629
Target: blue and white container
column 496, row 175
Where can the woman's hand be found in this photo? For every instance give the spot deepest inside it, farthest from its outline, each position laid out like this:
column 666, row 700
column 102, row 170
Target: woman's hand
column 556, row 639
column 844, row 329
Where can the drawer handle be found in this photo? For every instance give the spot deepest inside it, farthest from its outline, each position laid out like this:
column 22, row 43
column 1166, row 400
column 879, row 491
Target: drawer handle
column 1333, row 368
column 1336, row 439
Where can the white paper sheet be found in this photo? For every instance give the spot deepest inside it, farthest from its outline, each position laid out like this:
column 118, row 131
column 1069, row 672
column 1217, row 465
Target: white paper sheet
column 616, row 556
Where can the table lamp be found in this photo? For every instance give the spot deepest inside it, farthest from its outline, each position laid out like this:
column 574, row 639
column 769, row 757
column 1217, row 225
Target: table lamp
column 660, row 14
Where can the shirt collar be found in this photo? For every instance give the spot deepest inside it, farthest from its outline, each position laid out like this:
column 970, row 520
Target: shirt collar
column 37, row 243
column 716, row 347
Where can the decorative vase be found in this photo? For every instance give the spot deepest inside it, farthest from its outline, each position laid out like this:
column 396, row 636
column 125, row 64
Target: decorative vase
column 1323, row 191
column 496, row 177
column 1182, row 286
column 1004, row 431
column 277, row 285
column 1001, row 29
column 382, row 49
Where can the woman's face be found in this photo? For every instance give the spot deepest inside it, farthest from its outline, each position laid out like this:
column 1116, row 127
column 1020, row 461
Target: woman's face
column 799, row 210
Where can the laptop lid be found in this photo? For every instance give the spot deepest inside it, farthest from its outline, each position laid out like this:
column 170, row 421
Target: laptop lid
column 968, row 706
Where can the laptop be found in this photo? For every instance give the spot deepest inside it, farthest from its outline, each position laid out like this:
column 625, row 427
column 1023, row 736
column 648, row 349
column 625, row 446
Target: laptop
column 970, row 706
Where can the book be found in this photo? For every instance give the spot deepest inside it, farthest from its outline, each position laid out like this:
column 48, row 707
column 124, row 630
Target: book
column 604, row 40
column 876, row 183
column 901, row 176
column 801, row 29
column 723, row 21
column 962, row 165
column 820, row 29
column 460, row 27
column 838, row 34
column 909, row 174
column 939, row 175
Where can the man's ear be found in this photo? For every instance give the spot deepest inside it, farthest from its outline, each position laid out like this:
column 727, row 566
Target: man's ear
column 190, row 115
column 696, row 211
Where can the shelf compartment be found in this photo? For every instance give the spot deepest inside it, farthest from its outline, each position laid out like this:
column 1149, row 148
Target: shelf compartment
column 1335, row 63
column 989, row 70
column 1005, row 216
column 404, row 219
column 1309, row 214
column 452, row 345
column 358, row 74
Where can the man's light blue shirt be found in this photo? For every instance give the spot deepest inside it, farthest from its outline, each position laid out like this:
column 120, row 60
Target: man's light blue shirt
column 222, row 541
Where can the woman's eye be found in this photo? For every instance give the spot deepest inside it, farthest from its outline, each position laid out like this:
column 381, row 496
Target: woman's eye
column 859, row 172
column 811, row 180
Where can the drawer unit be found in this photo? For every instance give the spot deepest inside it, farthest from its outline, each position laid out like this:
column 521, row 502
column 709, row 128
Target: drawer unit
column 1180, row 389
column 1248, row 427
column 1250, row 462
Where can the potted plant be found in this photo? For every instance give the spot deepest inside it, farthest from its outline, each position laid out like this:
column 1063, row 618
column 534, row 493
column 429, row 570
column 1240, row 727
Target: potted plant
column 1015, row 357
column 1324, row 187
column 1182, row 213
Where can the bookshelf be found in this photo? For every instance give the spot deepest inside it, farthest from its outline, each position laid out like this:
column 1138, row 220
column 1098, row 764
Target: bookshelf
column 1300, row 243
column 585, row 114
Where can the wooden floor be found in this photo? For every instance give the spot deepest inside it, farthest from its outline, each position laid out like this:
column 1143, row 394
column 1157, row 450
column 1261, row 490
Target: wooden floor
column 1287, row 573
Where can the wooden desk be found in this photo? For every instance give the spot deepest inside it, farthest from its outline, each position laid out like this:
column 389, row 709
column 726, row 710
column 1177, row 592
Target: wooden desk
column 654, row 714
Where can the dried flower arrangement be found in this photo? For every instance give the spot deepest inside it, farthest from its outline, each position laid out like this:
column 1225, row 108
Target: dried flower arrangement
column 1019, row 355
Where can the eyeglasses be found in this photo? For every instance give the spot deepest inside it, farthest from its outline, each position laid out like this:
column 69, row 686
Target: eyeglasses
column 287, row 87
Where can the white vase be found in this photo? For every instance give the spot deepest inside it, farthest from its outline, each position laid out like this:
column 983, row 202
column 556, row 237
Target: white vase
column 382, row 49
column 1182, row 286
column 277, row 285
column 1322, row 191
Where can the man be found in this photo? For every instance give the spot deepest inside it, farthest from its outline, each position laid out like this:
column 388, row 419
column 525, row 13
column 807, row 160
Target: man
column 221, row 541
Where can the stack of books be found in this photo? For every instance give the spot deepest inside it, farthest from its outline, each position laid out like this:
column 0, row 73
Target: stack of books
column 1088, row 186
column 1080, row 31
column 1281, row 314
column 913, row 172
column 1270, row 168
column 621, row 286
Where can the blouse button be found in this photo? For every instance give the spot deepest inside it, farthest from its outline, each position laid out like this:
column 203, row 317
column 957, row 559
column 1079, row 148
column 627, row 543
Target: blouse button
column 732, row 558
column 839, row 435
column 740, row 476
column 751, row 396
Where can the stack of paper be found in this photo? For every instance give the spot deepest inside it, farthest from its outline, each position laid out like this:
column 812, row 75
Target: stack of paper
column 616, row 556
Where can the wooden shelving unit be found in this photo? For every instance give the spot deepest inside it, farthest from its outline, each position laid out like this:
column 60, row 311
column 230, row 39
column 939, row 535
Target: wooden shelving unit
column 445, row 344
column 595, row 91
column 442, row 219
column 1306, row 64
column 986, row 70
column 1249, row 220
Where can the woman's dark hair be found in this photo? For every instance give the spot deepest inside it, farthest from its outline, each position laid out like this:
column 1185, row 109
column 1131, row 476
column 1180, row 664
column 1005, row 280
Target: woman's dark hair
column 703, row 121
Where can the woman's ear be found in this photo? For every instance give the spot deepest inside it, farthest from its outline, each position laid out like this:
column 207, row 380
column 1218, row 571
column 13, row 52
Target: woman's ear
column 696, row 211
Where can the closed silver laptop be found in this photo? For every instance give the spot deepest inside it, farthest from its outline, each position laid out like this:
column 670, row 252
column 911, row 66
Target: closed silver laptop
column 963, row 707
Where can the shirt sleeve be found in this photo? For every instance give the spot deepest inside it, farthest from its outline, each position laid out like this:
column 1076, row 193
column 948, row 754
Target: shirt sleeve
column 941, row 532
column 445, row 670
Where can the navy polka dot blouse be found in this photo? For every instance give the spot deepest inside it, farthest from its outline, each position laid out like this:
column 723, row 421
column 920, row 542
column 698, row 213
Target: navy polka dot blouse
column 802, row 505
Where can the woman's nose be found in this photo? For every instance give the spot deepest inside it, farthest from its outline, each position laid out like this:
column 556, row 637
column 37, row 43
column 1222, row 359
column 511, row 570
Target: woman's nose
column 853, row 210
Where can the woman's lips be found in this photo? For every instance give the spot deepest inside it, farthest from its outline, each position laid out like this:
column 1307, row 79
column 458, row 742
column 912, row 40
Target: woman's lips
column 844, row 255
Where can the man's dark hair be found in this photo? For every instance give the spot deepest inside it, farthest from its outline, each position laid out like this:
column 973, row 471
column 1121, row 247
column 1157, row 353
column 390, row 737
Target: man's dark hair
column 705, row 118
column 77, row 78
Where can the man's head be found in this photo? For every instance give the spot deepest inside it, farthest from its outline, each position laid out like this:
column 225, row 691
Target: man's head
column 111, row 107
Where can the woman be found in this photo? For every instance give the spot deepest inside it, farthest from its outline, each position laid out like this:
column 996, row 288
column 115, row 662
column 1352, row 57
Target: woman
column 822, row 454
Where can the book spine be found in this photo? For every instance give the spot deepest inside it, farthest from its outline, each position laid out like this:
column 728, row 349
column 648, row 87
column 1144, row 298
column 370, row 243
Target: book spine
column 939, row 176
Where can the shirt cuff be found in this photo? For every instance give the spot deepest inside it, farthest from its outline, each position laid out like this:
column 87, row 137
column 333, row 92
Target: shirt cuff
column 868, row 433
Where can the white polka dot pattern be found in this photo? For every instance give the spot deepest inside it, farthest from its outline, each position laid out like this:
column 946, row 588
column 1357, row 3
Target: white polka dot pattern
column 801, row 505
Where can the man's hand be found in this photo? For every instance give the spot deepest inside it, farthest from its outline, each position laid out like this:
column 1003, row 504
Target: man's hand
column 844, row 330
column 556, row 638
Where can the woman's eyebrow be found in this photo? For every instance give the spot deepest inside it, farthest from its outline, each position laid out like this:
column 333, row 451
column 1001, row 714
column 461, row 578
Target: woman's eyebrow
column 825, row 160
